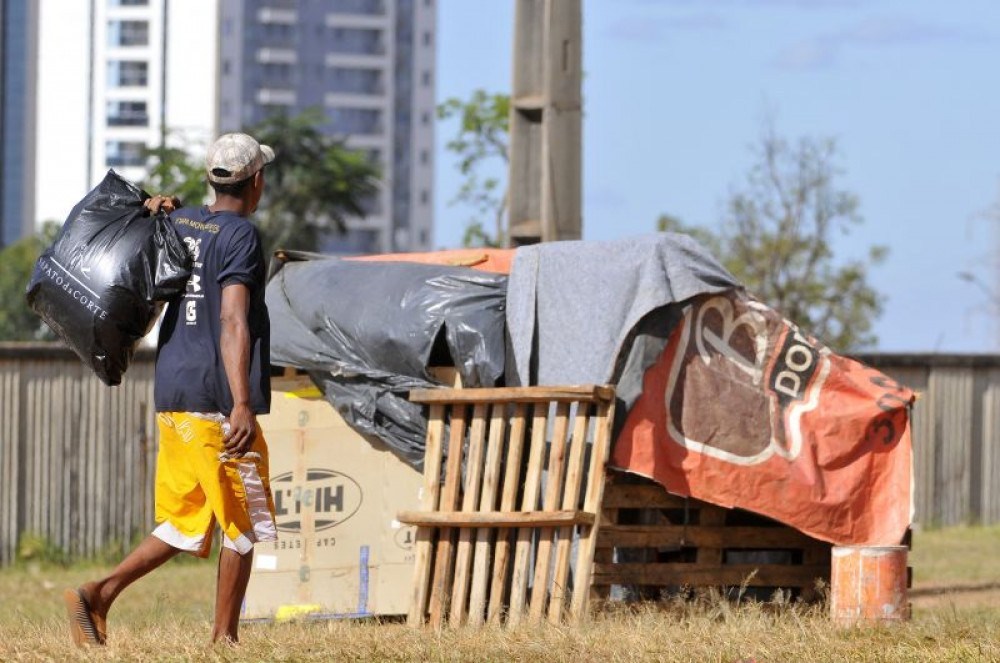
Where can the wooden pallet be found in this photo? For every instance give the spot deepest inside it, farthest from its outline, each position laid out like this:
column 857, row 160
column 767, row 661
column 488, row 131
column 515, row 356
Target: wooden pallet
column 652, row 541
column 515, row 479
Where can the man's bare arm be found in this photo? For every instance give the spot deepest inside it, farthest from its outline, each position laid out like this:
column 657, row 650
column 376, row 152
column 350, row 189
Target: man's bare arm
column 235, row 346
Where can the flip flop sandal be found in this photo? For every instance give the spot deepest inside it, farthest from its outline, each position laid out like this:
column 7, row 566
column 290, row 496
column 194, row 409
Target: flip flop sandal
column 83, row 627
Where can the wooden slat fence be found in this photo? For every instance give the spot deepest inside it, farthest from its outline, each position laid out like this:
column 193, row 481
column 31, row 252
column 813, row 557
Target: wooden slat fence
column 76, row 456
column 956, row 434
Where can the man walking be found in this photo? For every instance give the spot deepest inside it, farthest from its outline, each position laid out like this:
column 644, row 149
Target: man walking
column 212, row 379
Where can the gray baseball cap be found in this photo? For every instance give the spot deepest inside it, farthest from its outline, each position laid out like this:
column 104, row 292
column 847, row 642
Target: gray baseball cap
column 235, row 157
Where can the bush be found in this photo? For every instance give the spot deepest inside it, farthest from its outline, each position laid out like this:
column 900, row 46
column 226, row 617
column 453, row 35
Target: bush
column 38, row 548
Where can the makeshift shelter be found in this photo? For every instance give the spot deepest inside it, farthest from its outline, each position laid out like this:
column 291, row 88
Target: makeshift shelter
column 368, row 332
column 744, row 419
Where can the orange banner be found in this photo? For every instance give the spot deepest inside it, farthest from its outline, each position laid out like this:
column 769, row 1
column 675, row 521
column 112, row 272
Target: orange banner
column 742, row 409
column 486, row 260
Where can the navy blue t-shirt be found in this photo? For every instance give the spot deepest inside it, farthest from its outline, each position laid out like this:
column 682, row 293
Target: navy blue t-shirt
column 190, row 375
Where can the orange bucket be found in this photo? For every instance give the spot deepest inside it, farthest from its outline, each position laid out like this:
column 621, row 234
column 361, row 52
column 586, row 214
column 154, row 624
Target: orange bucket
column 868, row 583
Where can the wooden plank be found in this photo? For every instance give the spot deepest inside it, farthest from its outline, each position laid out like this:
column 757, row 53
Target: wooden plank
column 11, row 417
column 753, row 575
column 42, row 389
column 586, row 393
column 116, row 470
column 591, row 503
column 430, row 492
column 529, row 502
column 604, row 555
column 953, row 390
column 551, row 501
column 711, row 536
column 497, row 519
column 470, row 501
column 91, row 464
column 988, row 394
column 571, row 497
column 508, row 500
column 443, row 563
column 103, row 466
column 19, row 420
column 57, row 470
column 640, row 496
column 816, row 556
column 487, row 503
column 710, row 516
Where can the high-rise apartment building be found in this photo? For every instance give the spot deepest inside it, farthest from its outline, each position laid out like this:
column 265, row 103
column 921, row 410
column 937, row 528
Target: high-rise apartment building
column 113, row 77
column 369, row 66
column 89, row 84
column 18, row 30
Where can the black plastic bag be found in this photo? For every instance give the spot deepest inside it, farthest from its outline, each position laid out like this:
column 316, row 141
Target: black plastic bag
column 101, row 284
column 367, row 331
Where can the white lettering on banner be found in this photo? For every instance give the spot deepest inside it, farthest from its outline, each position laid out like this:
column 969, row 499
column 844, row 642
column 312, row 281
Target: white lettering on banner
column 798, row 350
column 788, row 383
column 798, row 360
column 723, row 345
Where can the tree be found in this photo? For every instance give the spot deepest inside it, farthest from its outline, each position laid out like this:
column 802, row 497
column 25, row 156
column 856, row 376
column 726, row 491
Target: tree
column 313, row 185
column 775, row 236
column 17, row 321
column 983, row 273
column 172, row 170
column 481, row 144
column 776, row 239
column 707, row 238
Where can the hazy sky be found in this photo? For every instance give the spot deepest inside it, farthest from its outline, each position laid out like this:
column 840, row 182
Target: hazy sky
column 675, row 92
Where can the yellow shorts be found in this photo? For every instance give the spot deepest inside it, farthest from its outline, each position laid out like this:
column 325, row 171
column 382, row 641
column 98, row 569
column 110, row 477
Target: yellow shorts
column 195, row 489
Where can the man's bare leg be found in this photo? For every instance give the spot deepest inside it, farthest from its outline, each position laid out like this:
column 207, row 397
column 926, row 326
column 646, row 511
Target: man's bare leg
column 234, row 574
column 148, row 555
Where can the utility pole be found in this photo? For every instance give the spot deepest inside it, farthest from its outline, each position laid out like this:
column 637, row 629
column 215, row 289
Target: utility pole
column 545, row 123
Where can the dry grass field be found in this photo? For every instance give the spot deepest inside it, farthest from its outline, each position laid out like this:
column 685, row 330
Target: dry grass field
column 166, row 617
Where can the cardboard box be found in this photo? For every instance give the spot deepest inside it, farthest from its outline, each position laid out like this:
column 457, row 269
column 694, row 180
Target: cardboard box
column 340, row 549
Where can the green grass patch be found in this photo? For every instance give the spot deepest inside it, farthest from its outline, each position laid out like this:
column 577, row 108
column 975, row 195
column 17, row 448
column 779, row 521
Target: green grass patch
column 956, row 555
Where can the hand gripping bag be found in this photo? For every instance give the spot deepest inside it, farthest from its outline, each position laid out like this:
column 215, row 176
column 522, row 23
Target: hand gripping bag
column 102, row 283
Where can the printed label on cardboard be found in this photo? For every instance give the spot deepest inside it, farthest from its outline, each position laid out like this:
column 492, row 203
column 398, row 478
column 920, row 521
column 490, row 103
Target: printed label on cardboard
column 331, row 497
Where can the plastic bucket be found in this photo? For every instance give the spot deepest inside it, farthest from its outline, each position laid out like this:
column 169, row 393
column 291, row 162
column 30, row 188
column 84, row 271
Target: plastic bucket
column 868, row 584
